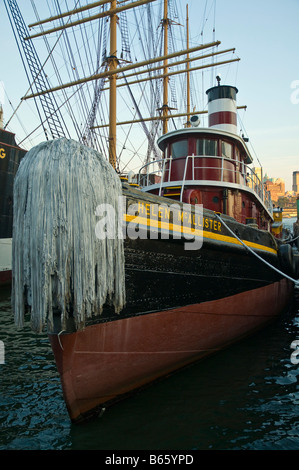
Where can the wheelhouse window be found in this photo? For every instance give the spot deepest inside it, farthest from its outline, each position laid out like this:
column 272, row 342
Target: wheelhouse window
column 206, row 147
column 227, row 150
column 179, row 149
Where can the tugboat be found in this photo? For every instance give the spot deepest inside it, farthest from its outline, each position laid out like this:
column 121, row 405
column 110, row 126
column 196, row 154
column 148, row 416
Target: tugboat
column 10, row 157
column 165, row 303
column 134, row 280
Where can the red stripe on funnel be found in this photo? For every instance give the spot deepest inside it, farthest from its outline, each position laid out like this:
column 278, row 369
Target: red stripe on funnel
column 222, row 117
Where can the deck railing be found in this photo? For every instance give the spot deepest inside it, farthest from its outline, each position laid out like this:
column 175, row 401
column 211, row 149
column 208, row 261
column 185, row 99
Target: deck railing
column 158, row 175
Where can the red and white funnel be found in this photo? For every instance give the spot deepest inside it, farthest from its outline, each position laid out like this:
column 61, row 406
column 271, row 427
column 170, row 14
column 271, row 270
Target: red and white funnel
column 222, row 107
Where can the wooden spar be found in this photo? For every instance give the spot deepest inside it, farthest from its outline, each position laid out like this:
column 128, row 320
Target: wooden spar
column 188, row 74
column 172, row 73
column 165, row 75
column 179, row 62
column 120, row 70
column 69, row 13
column 110, row 12
column 157, row 118
column 176, row 72
column 154, row 118
column 112, row 60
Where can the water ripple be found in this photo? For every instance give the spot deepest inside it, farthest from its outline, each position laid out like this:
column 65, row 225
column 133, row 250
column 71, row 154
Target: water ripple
column 245, row 397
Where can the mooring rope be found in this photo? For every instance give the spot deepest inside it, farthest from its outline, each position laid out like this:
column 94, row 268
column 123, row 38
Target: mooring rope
column 296, row 282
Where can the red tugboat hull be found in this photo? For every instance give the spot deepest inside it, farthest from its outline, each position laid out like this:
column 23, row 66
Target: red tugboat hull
column 107, row 361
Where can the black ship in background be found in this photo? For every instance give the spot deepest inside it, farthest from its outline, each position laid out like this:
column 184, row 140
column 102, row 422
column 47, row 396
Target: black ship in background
column 10, row 157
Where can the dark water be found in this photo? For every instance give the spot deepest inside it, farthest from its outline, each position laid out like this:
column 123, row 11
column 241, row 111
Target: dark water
column 245, row 397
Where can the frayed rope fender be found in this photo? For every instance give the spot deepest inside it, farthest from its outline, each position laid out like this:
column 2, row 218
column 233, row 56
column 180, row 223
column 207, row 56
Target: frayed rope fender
column 58, row 262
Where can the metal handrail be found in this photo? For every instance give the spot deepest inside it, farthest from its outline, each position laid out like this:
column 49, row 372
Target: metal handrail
column 251, row 179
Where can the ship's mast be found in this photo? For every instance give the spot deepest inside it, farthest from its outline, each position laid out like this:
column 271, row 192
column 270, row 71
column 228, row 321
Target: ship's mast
column 112, row 60
column 188, row 73
column 166, row 78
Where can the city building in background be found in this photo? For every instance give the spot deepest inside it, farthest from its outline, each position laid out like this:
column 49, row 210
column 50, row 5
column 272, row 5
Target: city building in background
column 282, row 199
column 276, row 186
column 295, row 186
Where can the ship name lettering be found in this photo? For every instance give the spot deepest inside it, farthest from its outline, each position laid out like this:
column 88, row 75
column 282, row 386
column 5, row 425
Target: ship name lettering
column 162, row 212
column 154, row 210
column 212, row 224
column 2, row 153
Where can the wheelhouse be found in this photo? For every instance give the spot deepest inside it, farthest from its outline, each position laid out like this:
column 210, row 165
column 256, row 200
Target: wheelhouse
column 205, row 166
column 211, row 166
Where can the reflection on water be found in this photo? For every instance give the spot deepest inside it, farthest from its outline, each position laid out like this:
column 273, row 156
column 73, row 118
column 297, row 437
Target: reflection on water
column 32, row 411
column 245, row 397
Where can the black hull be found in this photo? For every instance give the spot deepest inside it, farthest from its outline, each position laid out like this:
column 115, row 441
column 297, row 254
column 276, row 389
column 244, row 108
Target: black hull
column 10, row 156
column 161, row 274
column 173, row 282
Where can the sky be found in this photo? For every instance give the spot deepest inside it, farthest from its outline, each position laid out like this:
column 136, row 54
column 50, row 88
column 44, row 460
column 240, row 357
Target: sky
column 265, row 34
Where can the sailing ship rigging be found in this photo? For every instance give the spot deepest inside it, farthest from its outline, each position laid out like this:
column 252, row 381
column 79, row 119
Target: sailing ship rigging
column 80, row 41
